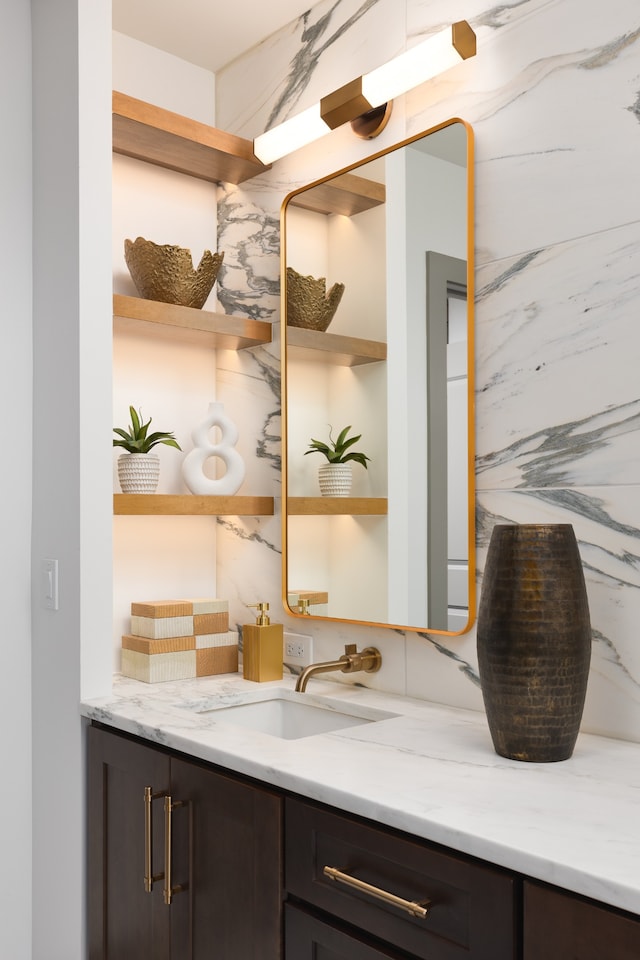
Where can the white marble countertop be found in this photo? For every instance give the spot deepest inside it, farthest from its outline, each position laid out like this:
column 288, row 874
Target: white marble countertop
column 430, row 771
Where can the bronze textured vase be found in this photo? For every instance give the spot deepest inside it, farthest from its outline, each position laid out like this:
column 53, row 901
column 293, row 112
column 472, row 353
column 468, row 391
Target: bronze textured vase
column 534, row 641
column 308, row 303
column 165, row 272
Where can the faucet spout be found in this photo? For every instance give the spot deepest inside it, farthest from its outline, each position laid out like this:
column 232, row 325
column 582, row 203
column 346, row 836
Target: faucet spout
column 369, row 660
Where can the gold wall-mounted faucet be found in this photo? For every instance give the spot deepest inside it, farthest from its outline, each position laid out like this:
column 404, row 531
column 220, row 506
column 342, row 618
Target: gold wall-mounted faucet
column 369, row 660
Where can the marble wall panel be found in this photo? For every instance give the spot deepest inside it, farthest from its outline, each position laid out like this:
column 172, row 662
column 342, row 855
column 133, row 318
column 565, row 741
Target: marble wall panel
column 554, row 351
column 553, row 99
column 331, row 44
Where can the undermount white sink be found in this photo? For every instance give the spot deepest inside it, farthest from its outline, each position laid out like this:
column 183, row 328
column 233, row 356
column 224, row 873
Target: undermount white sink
column 288, row 716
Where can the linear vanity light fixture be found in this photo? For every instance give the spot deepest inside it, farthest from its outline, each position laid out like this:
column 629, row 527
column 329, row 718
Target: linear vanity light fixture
column 366, row 101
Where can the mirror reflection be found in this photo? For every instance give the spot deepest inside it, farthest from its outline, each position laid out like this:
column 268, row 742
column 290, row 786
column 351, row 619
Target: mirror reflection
column 382, row 253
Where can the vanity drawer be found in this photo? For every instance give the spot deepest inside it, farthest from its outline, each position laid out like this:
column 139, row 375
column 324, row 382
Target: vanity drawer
column 308, row 937
column 471, row 913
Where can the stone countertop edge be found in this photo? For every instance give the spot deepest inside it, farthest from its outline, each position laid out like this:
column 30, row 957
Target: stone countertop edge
column 430, row 771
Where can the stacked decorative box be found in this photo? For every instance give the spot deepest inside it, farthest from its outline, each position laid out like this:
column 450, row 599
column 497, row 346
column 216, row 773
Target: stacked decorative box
column 179, row 640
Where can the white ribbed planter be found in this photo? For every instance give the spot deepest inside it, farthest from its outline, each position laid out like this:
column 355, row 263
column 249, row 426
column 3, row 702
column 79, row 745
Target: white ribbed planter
column 138, row 472
column 335, row 479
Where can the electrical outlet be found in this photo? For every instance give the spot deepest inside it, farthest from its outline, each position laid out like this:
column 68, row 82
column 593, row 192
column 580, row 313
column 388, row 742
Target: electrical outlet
column 297, row 649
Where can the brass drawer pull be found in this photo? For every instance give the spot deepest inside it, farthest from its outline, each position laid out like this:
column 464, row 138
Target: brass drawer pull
column 169, row 890
column 149, row 877
column 419, row 910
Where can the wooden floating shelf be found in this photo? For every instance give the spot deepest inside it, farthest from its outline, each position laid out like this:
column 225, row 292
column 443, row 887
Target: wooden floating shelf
column 186, row 324
column 167, row 139
column 159, row 504
column 346, row 194
column 333, row 348
column 336, row 506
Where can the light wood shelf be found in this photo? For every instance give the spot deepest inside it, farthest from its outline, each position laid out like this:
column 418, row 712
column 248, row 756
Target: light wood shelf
column 336, row 506
column 159, row 504
column 171, row 321
column 346, row 194
column 146, row 132
column 333, row 348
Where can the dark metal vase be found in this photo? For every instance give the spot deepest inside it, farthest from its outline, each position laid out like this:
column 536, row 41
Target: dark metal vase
column 534, row 641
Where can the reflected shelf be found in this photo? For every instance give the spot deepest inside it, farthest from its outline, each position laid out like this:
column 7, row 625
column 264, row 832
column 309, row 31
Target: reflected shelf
column 159, row 504
column 347, row 194
column 336, row 506
column 333, row 348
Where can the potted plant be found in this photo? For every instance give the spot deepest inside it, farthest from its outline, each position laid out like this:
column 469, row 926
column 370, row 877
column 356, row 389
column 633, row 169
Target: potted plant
column 335, row 475
column 138, row 468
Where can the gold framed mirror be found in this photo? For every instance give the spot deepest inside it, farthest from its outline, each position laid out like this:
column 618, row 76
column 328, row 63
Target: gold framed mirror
column 395, row 366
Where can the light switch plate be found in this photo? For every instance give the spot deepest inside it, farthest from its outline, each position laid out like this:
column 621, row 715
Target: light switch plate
column 49, row 570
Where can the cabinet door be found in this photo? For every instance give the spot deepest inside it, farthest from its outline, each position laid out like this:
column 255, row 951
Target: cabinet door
column 123, row 919
column 226, row 849
column 559, row 926
column 307, row 937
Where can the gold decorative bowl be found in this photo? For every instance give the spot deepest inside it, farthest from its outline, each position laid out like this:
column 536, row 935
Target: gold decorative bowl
column 308, row 304
column 166, row 272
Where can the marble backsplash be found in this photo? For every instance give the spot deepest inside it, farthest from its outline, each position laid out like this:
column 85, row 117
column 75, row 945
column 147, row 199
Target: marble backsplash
column 553, row 97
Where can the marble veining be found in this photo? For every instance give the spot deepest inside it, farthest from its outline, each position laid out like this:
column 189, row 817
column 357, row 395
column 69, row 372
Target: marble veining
column 467, row 669
column 252, row 238
column 545, row 457
column 315, row 39
column 429, row 770
column 292, row 64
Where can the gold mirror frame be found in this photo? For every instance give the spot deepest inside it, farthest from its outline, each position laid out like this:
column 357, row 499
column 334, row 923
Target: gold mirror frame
column 302, row 609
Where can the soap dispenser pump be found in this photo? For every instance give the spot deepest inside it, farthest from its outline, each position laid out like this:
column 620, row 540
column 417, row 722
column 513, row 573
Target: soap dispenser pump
column 262, row 647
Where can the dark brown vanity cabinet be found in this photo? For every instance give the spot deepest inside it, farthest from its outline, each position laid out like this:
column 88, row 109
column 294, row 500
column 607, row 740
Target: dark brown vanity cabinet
column 184, row 862
column 563, row 926
column 365, row 892
column 227, row 852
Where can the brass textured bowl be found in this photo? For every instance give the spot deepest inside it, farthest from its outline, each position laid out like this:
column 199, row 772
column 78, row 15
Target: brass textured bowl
column 166, row 272
column 308, row 304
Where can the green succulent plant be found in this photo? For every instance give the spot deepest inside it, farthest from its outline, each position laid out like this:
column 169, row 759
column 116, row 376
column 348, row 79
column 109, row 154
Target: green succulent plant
column 336, row 450
column 137, row 439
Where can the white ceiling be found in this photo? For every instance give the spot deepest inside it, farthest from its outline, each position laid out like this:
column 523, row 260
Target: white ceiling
column 209, row 33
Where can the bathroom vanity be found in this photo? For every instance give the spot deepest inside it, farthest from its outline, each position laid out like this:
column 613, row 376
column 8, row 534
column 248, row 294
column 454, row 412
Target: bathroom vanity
column 400, row 836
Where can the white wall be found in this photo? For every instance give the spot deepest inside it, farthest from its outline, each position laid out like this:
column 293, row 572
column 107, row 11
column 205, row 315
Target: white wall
column 149, row 74
column 427, row 201
column 71, row 457
column 15, row 478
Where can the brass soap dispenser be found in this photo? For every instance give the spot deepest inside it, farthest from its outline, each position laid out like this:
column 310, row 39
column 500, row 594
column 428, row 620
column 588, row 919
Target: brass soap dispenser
column 262, row 647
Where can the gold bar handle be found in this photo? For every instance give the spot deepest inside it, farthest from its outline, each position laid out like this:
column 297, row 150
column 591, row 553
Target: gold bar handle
column 169, row 890
column 420, row 910
column 149, row 877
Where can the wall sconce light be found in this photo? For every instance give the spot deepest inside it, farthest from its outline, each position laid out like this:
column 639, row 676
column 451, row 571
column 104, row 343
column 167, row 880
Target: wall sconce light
column 366, row 101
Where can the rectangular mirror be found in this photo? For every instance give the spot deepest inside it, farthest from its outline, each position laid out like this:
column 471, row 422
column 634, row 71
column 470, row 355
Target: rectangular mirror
column 396, row 366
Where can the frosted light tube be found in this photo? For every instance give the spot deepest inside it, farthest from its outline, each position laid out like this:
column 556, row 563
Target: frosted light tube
column 422, row 62
column 294, row 133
